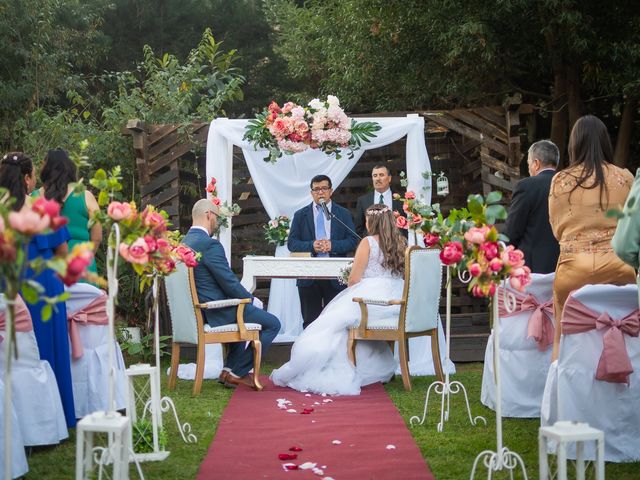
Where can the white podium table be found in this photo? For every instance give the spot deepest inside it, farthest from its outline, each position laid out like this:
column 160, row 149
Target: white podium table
column 256, row 267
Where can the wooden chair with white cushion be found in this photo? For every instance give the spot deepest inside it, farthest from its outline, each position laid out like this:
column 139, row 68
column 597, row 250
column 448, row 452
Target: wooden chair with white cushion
column 190, row 328
column 418, row 316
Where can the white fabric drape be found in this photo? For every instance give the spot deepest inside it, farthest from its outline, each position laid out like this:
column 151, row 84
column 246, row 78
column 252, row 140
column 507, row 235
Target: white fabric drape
column 283, row 187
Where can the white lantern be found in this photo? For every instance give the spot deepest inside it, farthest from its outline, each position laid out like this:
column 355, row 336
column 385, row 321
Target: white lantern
column 442, row 185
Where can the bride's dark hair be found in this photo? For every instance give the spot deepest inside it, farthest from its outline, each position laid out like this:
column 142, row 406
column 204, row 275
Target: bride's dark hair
column 381, row 222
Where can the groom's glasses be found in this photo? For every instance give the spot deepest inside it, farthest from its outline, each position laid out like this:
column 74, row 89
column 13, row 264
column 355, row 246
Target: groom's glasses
column 320, row 189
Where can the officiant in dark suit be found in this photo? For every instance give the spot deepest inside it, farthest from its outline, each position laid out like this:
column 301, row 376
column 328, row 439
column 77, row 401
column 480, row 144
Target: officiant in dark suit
column 216, row 281
column 381, row 178
column 322, row 235
column 527, row 224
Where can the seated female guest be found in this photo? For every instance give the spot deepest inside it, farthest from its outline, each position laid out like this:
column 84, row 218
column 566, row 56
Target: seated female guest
column 580, row 195
column 17, row 175
column 57, row 175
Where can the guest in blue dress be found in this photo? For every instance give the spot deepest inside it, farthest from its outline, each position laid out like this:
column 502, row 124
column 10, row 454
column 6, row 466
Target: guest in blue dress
column 18, row 176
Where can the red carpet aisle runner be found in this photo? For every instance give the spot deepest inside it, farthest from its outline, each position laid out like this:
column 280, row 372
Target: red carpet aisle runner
column 348, row 438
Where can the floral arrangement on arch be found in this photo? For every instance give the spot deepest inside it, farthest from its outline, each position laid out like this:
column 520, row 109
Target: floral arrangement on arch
column 277, row 230
column 145, row 239
column 345, row 272
column 225, row 211
column 469, row 241
column 321, row 125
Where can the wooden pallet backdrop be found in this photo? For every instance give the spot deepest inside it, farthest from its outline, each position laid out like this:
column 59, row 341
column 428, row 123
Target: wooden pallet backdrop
column 478, row 150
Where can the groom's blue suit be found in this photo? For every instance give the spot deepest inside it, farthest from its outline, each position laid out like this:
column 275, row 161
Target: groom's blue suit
column 215, row 281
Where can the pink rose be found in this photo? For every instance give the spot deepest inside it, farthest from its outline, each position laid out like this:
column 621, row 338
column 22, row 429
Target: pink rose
column 152, row 219
column 211, row 188
column 44, row 207
column 476, row 291
column 416, row 219
column 451, row 253
column 187, row 255
column 274, row 108
column 474, row 269
column 406, row 208
column 490, row 249
column 163, row 245
column 137, row 252
column 151, row 243
column 409, row 195
column 513, row 257
column 216, row 201
column 75, row 270
column 401, row 222
column 476, row 235
column 496, row 264
column 28, row 222
column 431, row 239
column 119, row 211
column 301, row 127
column 520, row 277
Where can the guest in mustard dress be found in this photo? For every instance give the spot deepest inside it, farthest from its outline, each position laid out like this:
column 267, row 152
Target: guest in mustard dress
column 579, row 197
column 57, row 176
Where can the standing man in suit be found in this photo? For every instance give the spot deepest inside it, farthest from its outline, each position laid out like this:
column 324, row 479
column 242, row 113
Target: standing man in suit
column 527, row 224
column 216, row 281
column 381, row 178
column 311, row 231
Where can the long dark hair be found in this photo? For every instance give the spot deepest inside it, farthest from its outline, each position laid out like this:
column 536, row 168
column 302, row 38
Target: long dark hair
column 590, row 146
column 57, row 173
column 381, row 222
column 13, row 167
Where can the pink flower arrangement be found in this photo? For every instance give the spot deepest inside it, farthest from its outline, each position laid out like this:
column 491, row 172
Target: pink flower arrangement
column 78, row 261
column 120, row 211
column 224, row 210
column 322, row 125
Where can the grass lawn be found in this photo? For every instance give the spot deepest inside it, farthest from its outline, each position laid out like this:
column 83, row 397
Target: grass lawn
column 450, row 454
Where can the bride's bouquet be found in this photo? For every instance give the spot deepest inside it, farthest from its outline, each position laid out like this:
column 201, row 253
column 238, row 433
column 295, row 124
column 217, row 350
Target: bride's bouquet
column 343, row 278
column 321, row 125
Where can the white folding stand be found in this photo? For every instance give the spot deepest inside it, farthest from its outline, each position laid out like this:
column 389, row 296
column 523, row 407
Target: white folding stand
column 447, row 388
column 112, row 423
column 8, row 406
column 148, row 398
column 502, row 458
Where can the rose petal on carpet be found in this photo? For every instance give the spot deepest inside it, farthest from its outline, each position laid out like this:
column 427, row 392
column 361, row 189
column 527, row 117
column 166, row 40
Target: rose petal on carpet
column 350, row 437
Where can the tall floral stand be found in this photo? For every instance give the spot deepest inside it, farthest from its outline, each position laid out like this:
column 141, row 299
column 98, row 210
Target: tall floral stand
column 447, row 388
column 111, row 423
column 145, row 400
column 502, row 458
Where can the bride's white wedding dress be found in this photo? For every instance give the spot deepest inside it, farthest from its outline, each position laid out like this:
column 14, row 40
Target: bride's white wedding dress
column 319, row 361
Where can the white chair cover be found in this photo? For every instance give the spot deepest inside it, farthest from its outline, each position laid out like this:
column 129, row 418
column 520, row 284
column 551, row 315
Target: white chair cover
column 572, row 392
column 523, row 368
column 90, row 372
column 19, row 466
column 36, row 398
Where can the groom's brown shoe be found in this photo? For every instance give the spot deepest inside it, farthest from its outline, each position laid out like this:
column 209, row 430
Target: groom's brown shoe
column 224, row 374
column 233, row 381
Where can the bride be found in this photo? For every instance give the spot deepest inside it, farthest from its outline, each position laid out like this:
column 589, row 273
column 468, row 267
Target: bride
column 319, row 361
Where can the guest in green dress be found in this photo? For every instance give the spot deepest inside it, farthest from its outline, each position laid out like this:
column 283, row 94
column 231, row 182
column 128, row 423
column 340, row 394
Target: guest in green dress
column 57, row 175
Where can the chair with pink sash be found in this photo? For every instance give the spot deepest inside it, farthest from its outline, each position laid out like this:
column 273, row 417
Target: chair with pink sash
column 89, row 337
column 596, row 378
column 526, row 340
column 19, row 465
column 36, row 398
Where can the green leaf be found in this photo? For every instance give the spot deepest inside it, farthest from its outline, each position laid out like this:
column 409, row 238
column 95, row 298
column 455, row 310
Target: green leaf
column 29, row 293
column 496, row 212
column 494, row 197
column 631, row 202
column 103, row 198
column 46, row 311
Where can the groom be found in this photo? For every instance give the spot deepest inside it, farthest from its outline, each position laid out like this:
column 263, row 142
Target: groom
column 311, row 231
column 216, row 281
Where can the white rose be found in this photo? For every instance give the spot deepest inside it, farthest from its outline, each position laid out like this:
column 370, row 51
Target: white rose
column 333, row 101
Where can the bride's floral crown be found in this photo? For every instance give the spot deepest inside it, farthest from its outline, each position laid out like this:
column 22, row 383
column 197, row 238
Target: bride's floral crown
column 379, row 211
